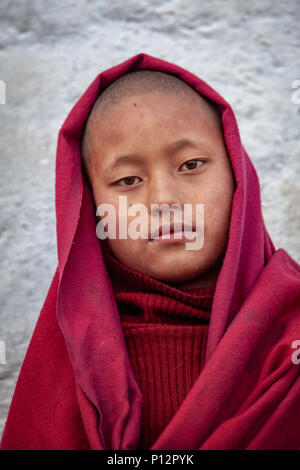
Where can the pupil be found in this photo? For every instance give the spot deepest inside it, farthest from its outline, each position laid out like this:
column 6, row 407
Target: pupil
column 130, row 178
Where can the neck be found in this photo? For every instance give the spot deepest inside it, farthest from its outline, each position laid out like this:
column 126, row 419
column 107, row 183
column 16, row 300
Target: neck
column 208, row 279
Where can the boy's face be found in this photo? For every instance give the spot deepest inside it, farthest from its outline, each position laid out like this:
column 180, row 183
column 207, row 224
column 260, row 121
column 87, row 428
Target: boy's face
column 146, row 125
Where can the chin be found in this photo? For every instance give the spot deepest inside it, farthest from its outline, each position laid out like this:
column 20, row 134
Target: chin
column 169, row 275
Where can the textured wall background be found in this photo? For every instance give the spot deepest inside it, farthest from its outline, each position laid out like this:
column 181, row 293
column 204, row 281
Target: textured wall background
column 51, row 51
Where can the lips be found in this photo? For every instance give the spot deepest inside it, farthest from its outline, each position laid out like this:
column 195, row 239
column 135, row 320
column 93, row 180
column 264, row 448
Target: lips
column 177, row 227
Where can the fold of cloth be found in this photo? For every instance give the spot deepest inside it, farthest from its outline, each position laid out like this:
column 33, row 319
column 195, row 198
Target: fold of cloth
column 77, row 388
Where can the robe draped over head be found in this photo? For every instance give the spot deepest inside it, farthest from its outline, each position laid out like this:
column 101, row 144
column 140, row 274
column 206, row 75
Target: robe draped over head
column 76, row 388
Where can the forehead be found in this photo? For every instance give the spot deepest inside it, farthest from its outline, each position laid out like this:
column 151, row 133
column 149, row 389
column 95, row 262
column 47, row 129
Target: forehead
column 148, row 112
column 150, row 122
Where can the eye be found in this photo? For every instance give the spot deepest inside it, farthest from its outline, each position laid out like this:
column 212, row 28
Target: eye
column 128, row 179
column 193, row 162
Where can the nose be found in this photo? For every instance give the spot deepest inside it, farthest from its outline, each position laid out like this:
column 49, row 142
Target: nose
column 163, row 196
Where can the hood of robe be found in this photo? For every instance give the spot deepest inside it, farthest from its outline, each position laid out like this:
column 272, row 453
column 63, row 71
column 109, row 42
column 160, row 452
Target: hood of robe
column 247, row 395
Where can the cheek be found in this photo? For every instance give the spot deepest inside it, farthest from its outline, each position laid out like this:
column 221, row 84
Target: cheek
column 129, row 252
column 217, row 210
column 105, row 197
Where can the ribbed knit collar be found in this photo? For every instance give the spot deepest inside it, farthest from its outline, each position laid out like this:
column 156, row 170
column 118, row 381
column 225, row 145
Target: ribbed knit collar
column 159, row 301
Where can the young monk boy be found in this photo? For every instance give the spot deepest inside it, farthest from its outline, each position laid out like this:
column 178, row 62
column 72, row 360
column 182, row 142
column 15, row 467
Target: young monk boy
column 177, row 156
column 142, row 343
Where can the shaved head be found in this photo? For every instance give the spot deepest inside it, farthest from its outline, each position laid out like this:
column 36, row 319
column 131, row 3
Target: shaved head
column 135, row 83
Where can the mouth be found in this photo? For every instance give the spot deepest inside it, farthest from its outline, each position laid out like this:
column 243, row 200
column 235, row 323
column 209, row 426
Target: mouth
column 170, row 233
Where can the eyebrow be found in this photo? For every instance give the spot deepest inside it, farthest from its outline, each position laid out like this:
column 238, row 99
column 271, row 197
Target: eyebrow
column 121, row 160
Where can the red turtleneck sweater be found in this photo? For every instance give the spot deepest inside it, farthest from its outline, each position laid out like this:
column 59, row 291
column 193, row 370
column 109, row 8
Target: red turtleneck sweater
column 165, row 331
